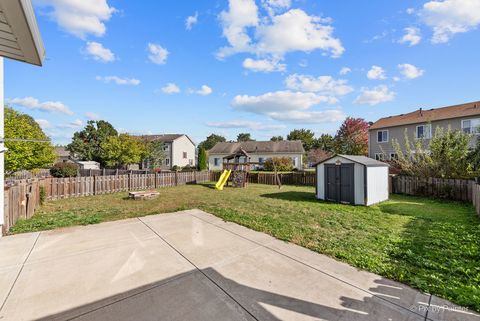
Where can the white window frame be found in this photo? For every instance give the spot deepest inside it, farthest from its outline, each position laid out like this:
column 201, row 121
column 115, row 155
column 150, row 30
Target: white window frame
column 395, row 156
column 382, row 131
column 429, row 132
column 474, row 129
column 380, row 156
column 167, row 161
column 216, row 161
column 261, row 160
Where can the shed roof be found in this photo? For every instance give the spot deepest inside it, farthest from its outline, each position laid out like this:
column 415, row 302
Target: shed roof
column 428, row 115
column 367, row 161
column 20, row 38
column 284, row 146
column 166, row 138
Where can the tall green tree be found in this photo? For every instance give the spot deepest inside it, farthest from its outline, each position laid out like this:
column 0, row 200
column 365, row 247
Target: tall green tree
column 325, row 142
column 87, row 143
column 244, row 137
column 352, row 137
column 276, row 138
column 211, row 141
column 119, row 151
column 154, row 153
column 25, row 155
column 305, row 135
column 202, row 159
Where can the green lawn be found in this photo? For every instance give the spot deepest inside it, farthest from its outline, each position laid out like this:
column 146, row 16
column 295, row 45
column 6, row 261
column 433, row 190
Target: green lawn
column 429, row 244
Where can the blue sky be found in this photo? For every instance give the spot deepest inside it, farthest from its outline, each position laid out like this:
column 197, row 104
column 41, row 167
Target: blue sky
column 264, row 67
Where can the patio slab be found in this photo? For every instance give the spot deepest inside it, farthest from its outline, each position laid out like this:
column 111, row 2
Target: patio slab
column 192, row 266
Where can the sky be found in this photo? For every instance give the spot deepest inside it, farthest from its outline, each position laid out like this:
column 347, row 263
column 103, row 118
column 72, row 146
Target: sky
column 264, row 67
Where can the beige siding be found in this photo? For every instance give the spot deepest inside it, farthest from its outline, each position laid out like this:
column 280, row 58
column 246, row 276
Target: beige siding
column 398, row 133
column 180, row 146
column 255, row 158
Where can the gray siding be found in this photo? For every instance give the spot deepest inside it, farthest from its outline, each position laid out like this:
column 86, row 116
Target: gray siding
column 398, row 133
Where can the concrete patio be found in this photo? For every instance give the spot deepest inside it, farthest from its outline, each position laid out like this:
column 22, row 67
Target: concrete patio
column 193, row 266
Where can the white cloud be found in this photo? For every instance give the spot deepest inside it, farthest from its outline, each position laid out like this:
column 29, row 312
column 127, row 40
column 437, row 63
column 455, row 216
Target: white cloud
column 72, row 125
column 92, row 116
column 43, row 123
column 274, row 6
column 376, row 72
column 190, row 21
column 99, row 52
column 236, row 124
column 411, row 37
column 345, row 70
column 410, row 10
column 263, row 65
column 410, row 71
column 288, row 106
column 323, row 84
column 157, row 54
column 79, row 17
column 374, row 96
column 118, row 80
column 276, row 35
column 450, row 17
column 35, row 104
column 204, row 91
column 170, row 88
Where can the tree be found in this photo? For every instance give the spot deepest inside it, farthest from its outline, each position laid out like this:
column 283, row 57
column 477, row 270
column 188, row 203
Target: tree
column 87, row 144
column 281, row 164
column 352, row 137
column 119, row 151
column 244, row 137
column 153, row 153
column 211, row 141
column 202, row 159
column 305, row 135
column 26, row 155
column 447, row 155
column 62, row 169
column 325, row 142
column 317, row 155
column 276, row 138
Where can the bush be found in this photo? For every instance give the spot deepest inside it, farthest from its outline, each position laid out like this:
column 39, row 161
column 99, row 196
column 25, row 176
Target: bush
column 43, row 195
column 187, row 168
column 282, row 164
column 176, row 168
column 64, row 170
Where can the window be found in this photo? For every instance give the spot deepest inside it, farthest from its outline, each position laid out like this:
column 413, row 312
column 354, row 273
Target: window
column 216, row 161
column 184, row 155
column 382, row 136
column 424, row 132
column 261, row 160
column 295, row 161
column 379, row 156
column 190, row 162
column 165, row 148
column 167, row 161
column 393, row 156
column 471, row 126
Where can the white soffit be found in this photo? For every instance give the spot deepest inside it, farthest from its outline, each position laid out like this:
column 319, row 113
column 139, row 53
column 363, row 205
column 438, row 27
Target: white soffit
column 19, row 35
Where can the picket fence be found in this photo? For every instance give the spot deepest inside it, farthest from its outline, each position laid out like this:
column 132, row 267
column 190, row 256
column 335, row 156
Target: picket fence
column 293, row 178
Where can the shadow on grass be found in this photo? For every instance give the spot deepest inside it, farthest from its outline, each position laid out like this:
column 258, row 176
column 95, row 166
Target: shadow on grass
column 295, row 196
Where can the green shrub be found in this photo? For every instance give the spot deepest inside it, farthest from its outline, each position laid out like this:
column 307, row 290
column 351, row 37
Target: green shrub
column 64, row 170
column 282, row 164
column 43, row 195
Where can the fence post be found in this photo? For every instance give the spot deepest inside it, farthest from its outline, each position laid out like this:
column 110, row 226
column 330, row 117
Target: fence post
column 129, row 181
column 176, row 178
column 94, row 185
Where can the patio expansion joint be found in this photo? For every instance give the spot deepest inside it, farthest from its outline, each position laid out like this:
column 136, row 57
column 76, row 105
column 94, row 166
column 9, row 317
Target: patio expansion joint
column 20, row 271
column 318, row 270
column 199, row 270
column 428, row 308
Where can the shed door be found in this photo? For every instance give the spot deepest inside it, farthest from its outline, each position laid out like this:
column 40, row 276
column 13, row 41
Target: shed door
column 339, row 183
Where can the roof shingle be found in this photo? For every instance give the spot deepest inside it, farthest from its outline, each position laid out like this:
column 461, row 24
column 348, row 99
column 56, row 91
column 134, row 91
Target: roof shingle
column 429, row 115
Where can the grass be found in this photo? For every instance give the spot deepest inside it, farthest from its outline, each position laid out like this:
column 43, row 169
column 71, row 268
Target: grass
column 429, row 244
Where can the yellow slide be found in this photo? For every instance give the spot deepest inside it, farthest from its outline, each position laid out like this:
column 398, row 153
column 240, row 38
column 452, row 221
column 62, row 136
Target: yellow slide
column 223, row 179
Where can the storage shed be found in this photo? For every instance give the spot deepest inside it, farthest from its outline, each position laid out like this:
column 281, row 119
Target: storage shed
column 352, row 179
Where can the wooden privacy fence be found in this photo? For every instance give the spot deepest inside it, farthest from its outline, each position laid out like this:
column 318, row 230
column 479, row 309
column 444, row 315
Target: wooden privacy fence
column 293, row 178
column 454, row 189
column 476, row 197
column 22, row 198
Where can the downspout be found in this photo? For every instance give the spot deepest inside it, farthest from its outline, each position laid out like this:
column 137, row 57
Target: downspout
column 365, row 187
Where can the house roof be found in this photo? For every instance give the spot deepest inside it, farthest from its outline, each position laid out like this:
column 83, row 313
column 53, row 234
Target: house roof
column 20, row 39
column 429, row 115
column 284, row 146
column 367, row 161
column 166, row 138
column 62, row 151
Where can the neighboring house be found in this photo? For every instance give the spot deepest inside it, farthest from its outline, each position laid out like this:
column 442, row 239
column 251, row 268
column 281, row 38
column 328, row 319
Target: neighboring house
column 421, row 124
column 258, row 152
column 179, row 150
column 63, row 155
column 87, row 164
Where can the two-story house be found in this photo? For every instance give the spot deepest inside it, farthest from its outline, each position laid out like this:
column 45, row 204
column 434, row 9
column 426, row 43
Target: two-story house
column 421, row 124
column 258, row 151
column 179, row 150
